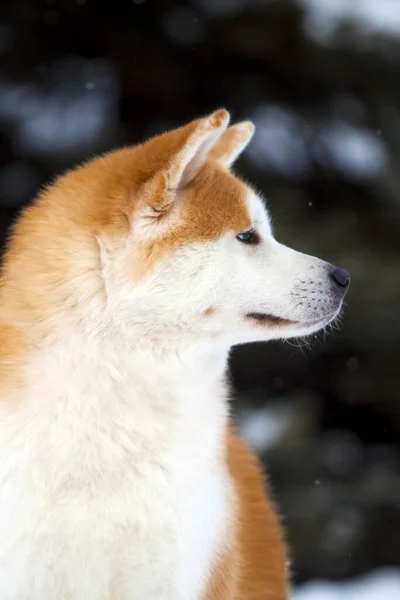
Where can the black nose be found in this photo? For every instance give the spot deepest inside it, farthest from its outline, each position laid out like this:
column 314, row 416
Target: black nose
column 341, row 278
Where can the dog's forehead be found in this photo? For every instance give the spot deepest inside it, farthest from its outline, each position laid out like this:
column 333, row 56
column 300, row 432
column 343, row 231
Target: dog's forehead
column 218, row 203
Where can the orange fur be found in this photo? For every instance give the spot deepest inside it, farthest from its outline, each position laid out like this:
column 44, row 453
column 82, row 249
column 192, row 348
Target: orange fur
column 103, row 196
column 232, row 143
column 254, row 567
column 54, row 251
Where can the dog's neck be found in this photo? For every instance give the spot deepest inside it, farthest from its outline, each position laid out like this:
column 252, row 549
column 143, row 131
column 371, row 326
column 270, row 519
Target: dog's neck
column 151, row 367
column 94, row 405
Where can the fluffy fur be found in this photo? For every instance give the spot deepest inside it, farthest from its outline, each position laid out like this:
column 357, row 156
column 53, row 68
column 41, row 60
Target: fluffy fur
column 124, row 288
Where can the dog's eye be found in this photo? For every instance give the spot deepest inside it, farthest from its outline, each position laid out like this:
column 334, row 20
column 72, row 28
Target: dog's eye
column 249, row 237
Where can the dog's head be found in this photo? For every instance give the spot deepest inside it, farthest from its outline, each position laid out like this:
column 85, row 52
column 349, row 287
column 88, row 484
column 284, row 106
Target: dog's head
column 162, row 239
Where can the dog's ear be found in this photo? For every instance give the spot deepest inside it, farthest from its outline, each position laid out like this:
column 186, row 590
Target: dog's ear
column 232, row 143
column 198, row 138
column 180, row 154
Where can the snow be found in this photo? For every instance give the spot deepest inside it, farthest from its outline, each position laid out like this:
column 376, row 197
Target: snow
column 355, row 151
column 74, row 114
column 324, row 17
column 288, row 144
column 379, row 585
column 263, row 428
column 278, row 144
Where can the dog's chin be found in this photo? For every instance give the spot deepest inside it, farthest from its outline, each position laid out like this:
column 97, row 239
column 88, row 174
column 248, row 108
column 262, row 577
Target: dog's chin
column 310, row 327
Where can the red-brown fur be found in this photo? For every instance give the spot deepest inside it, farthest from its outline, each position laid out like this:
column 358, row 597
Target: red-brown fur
column 39, row 295
column 257, row 567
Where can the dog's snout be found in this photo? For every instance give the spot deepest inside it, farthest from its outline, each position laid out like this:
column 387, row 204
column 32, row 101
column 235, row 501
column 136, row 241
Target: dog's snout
column 341, row 278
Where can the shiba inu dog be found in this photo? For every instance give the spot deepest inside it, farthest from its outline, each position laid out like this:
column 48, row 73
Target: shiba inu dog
column 125, row 284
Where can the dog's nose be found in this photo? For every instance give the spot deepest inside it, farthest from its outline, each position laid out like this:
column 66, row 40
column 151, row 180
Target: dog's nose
column 341, row 278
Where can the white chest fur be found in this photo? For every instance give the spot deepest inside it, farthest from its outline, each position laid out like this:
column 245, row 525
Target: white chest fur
column 112, row 488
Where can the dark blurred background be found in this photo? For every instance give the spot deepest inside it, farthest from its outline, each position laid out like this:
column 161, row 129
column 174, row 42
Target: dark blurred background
column 321, row 81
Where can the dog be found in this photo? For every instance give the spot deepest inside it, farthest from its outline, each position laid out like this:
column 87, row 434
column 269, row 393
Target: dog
column 124, row 286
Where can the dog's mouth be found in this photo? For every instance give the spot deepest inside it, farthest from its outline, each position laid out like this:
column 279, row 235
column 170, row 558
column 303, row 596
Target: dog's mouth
column 275, row 321
column 269, row 319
